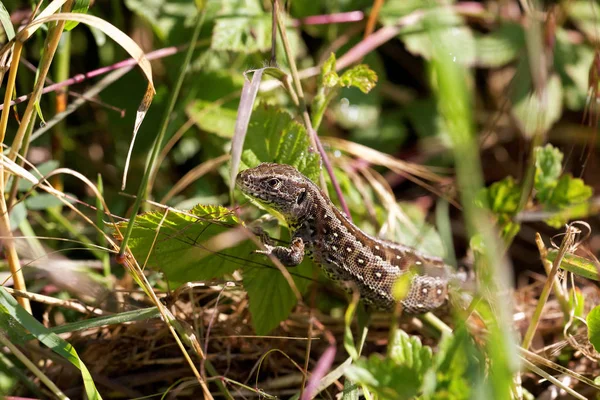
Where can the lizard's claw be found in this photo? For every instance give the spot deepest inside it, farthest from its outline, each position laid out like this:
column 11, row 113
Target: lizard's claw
column 268, row 250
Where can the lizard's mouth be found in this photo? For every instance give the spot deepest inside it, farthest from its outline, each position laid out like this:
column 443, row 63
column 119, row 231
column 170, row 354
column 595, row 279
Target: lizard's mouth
column 244, row 182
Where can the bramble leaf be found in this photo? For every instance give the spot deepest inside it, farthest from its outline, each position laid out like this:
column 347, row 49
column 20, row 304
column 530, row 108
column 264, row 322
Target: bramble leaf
column 209, row 110
column 456, row 367
column 569, row 191
column 271, row 299
column 501, row 197
column 558, row 193
column 182, row 249
column 409, row 351
column 329, row 77
column 245, row 27
column 361, row 77
column 212, row 117
column 398, row 376
column 274, row 137
column 548, row 165
column 195, row 246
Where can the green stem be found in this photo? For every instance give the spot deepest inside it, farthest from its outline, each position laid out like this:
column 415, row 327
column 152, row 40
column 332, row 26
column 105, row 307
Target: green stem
column 100, row 223
column 61, row 73
column 316, row 143
column 566, row 244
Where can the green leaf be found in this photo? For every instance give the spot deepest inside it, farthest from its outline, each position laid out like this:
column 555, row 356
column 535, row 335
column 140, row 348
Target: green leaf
column 216, row 101
column 548, row 166
column 410, row 352
column 13, row 315
column 246, row 28
column 392, row 10
column 43, row 201
column 424, row 116
column 212, row 117
column 274, row 137
column 81, row 7
column 568, row 199
column 97, row 322
column 6, row 24
column 500, row 46
column 569, row 191
column 17, row 215
column 190, row 246
column 583, row 14
column 361, row 77
column 573, row 64
column 169, row 20
column 385, row 378
column 495, row 49
column 458, row 366
column 532, row 113
column 329, row 77
column 557, row 192
column 39, row 172
column 441, row 21
column 271, row 298
column 183, row 249
column 501, row 197
column 244, row 34
column 399, row 376
column 351, row 391
column 593, row 325
column 577, row 265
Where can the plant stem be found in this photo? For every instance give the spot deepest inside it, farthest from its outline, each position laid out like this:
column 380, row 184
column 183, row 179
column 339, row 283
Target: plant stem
column 566, row 244
column 100, row 223
column 558, row 290
column 316, row 143
column 10, row 87
column 50, row 49
column 61, row 73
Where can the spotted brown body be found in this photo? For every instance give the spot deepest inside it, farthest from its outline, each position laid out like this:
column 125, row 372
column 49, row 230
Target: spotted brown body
column 342, row 249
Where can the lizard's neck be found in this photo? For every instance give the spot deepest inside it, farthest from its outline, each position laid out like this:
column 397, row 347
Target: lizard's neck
column 316, row 206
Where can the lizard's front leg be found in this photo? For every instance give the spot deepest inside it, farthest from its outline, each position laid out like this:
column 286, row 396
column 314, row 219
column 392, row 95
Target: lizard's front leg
column 289, row 256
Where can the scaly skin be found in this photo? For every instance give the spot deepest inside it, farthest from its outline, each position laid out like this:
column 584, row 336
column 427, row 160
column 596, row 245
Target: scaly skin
column 343, row 251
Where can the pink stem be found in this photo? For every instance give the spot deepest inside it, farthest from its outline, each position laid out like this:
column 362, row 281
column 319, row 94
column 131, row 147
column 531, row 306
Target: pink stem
column 337, row 18
column 167, row 51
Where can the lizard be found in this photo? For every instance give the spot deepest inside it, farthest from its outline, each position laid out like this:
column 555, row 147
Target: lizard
column 344, row 251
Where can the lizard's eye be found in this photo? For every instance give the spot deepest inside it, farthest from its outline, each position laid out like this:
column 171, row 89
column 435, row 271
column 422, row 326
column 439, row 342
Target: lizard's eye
column 274, row 183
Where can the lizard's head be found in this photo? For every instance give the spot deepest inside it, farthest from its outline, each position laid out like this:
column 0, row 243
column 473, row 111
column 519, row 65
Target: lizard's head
column 277, row 187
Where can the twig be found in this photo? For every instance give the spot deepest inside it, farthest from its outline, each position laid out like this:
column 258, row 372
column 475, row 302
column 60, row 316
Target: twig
column 304, row 111
column 565, row 246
